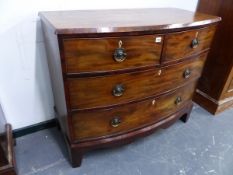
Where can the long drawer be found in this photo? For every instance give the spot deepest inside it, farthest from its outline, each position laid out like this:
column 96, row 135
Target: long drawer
column 107, row 122
column 94, row 92
column 110, row 54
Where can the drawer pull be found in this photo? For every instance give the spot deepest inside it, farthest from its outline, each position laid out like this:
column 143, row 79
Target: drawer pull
column 115, row 122
column 195, row 42
column 187, row 73
column 118, row 90
column 119, row 54
column 178, row 100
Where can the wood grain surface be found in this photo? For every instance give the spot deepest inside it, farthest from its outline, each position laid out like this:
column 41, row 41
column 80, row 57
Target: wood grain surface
column 178, row 45
column 96, row 54
column 95, row 124
column 124, row 20
column 77, row 149
column 93, row 92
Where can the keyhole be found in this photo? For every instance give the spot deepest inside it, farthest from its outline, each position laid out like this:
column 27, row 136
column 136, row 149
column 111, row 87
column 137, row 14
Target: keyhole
column 153, row 102
column 159, row 72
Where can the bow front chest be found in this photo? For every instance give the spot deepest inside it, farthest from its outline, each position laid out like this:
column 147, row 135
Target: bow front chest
column 120, row 74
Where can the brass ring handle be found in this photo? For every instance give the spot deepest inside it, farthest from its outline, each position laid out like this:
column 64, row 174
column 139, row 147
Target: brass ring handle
column 118, row 90
column 115, row 122
column 178, row 100
column 194, row 43
column 119, row 54
column 187, row 73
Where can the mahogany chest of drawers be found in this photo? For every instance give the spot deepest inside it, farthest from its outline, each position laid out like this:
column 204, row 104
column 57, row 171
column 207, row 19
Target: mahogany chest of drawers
column 121, row 74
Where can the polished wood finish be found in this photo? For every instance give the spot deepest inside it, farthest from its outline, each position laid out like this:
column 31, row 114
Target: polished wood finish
column 179, row 45
column 7, row 158
column 93, row 92
column 214, row 88
column 97, row 124
column 120, row 77
column 124, row 20
column 84, row 56
column 76, row 151
column 55, row 69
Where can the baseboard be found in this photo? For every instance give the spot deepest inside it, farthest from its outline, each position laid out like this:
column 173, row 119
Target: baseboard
column 34, row 128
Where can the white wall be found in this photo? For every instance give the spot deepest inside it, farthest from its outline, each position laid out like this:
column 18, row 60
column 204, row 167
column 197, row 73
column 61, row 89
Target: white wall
column 25, row 90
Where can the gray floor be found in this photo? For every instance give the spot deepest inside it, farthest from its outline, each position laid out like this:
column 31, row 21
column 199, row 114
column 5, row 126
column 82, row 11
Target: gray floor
column 202, row 146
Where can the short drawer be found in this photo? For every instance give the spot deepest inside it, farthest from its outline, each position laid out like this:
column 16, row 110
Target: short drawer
column 109, row 54
column 94, row 92
column 184, row 44
column 109, row 122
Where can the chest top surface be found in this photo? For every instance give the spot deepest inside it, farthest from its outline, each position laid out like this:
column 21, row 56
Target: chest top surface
column 124, row 20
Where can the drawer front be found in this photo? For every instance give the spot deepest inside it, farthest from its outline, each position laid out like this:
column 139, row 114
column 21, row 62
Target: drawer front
column 183, row 44
column 107, row 122
column 122, row 88
column 97, row 55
